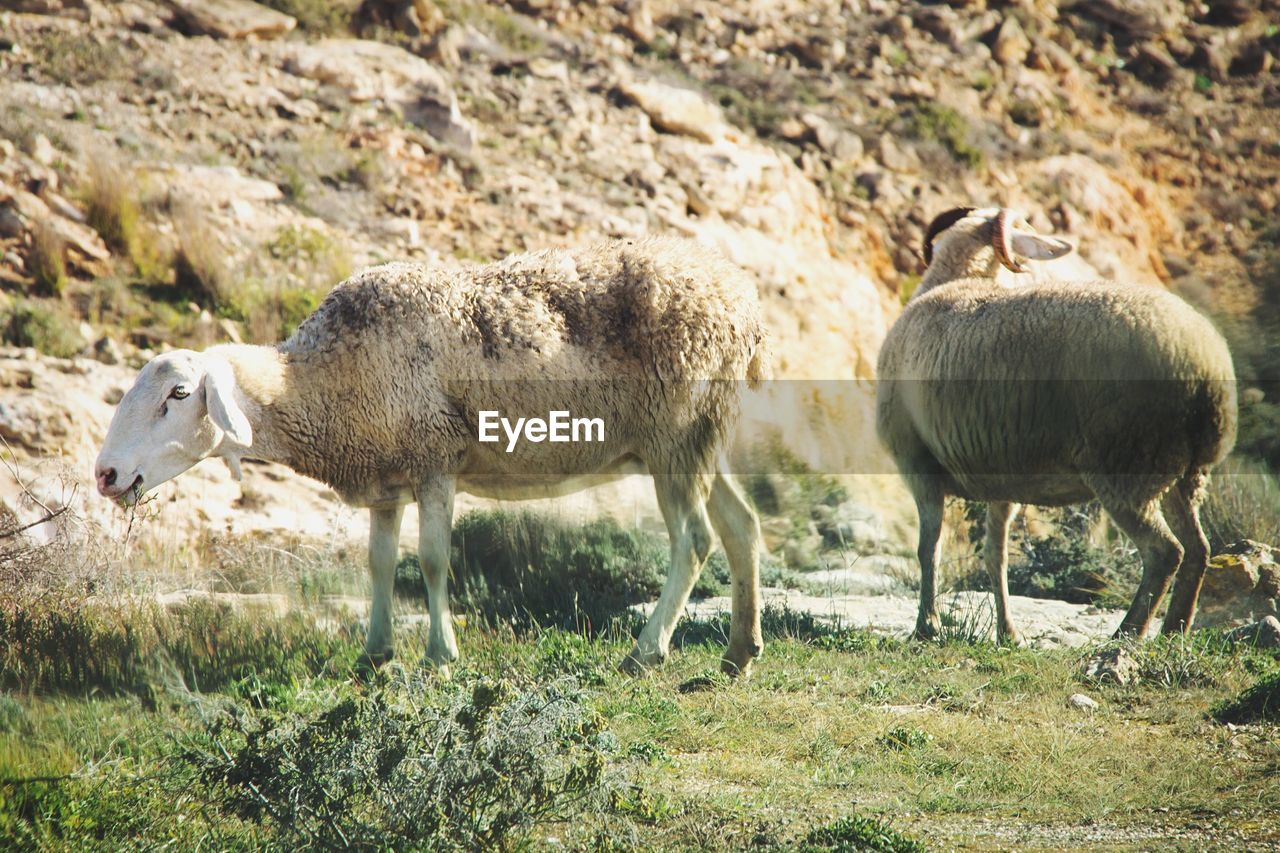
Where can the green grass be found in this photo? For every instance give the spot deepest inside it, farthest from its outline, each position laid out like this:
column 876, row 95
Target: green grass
column 33, row 323
column 949, row 744
column 931, row 122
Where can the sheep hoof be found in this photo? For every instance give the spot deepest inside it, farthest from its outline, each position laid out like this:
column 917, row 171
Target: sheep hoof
column 1009, row 637
column 926, row 630
column 735, row 669
column 637, row 662
column 368, row 664
column 737, row 660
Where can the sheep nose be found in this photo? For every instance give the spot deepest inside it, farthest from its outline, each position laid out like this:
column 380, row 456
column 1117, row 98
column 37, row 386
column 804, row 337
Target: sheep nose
column 106, row 479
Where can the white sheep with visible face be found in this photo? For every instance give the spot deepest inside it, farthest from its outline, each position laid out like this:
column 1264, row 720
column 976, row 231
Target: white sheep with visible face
column 1053, row 394
column 379, row 392
column 181, row 409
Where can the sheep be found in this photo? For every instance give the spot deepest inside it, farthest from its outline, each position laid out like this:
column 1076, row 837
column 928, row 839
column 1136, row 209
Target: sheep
column 1053, row 394
column 378, row 394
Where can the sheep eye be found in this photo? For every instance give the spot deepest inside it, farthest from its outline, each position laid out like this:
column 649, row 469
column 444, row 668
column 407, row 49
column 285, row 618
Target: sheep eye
column 180, row 392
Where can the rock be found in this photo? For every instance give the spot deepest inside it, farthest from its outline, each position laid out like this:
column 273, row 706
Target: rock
column 1114, row 665
column 373, row 71
column 638, row 22
column 42, row 150
column 896, row 158
column 1265, row 634
column 1135, row 18
column 1253, row 59
column 840, row 144
column 1154, row 65
column 1242, row 582
column 31, row 209
column 676, row 110
column 233, row 19
column 1011, row 44
column 1081, row 702
column 1230, row 13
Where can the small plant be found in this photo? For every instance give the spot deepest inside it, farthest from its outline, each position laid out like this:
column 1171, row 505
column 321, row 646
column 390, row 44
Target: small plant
column 112, row 208
column 318, row 17
column 47, row 260
column 78, row 58
column 476, row 768
column 859, row 833
column 529, row 570
column 900, row 738
column 30, row 324
column 1258, row 704
column 200, row 272
column 932, row 122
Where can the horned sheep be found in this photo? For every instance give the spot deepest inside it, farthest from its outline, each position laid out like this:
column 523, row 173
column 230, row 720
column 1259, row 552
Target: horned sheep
column 1054, row 393
column 378, row 392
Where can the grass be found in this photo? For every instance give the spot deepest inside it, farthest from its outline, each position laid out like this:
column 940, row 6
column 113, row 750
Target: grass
column 940, row 741
column 47, row 260
column 124, row 723
column 76, row 60
column 318, row 17
column 34, row 323
column 931, row 122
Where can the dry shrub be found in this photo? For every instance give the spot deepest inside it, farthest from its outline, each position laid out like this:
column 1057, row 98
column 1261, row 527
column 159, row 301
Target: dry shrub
column 47, row 259
column 200, row 269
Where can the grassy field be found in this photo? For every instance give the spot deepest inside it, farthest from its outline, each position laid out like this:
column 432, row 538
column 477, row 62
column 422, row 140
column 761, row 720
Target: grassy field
column 210, row 727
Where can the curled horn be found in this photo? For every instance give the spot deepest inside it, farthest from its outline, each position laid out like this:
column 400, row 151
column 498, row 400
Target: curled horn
column 1001, row 238
column 941, row 223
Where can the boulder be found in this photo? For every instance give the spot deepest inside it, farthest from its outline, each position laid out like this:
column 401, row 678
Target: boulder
column 1116, row 665
column 232, row 19
column 373, row 71
column 1265, row 634
column 676, row 110
column 1242, row 583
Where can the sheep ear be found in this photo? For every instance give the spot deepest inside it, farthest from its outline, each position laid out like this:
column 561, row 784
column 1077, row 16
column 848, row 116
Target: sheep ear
column 224, row 411
column 1037, row 248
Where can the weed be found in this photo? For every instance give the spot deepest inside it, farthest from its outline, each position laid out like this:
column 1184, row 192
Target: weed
column 932, row 122
column 200, row 272
column 47, row 260
column 1259, row 703
column 859, row 833
column 524, row 570
column 66, row 642
column 900, row 738
column 111, row 205
column 475, row 768
column 31, row 324
column 1179, row 661
column 318, row 17
column 78, row 59
column 1243, row 503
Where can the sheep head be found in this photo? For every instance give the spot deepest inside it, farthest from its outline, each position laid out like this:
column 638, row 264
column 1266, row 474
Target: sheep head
column 182, row 408
column 960, row 236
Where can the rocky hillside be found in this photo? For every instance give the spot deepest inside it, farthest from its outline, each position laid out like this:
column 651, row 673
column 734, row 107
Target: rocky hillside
column 180, row 173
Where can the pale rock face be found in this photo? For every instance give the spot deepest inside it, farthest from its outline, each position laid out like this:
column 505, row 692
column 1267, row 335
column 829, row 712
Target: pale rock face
column 233, row 19
column 374, row 71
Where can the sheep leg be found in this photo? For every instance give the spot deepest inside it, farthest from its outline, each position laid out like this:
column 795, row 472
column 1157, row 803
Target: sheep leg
column 995, row 552
column 739, row 530
column 384, row 547
column 930, row 500
column 435, row 521
column 690, row 532
column 1182, row 508
column 1161, row 554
